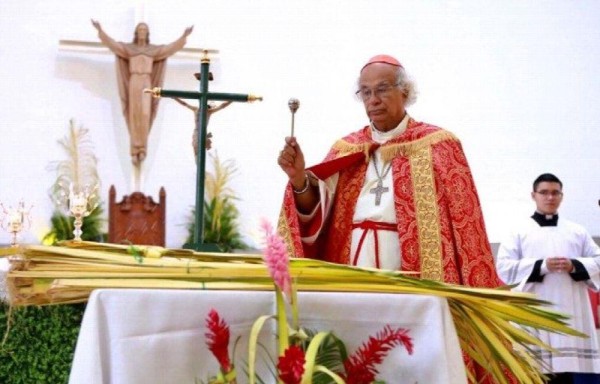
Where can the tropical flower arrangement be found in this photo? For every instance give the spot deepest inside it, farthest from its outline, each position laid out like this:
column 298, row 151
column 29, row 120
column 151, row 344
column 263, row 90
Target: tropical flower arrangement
column 303, row 356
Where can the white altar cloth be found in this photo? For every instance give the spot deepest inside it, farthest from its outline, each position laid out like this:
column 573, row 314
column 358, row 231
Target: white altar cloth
column 157, row 336
column 4, row 266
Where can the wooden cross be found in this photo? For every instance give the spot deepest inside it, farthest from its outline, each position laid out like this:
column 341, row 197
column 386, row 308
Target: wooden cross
column 140, row 17
column 98, row 47
column 203, row 97
column 378, row 191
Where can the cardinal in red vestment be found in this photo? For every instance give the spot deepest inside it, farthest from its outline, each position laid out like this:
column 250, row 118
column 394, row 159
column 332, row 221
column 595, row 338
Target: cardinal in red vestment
column 397, row 194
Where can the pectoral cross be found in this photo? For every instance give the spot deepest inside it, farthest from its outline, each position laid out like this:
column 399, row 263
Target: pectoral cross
column 378, row 191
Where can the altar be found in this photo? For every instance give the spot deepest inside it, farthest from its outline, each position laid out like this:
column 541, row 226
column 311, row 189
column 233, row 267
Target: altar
column 157, row 336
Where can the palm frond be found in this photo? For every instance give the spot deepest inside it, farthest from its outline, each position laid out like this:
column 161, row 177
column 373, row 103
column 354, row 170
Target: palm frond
column 220, row 221
column 216, row 185
column 490, row 323
column 332, row 353
column 78, row 169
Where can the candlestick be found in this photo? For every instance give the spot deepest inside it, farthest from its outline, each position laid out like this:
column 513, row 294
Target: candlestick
column 15, row 220
column 81, row 204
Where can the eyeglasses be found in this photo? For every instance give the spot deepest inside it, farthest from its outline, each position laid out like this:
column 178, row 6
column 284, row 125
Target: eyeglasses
column 546, row 193
column 380, row 91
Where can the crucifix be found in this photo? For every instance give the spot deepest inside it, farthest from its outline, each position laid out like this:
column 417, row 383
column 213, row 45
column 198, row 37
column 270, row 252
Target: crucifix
column 203, row 96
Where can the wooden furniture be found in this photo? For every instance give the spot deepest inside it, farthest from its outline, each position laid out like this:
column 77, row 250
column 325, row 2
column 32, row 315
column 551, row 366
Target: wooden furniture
column 137, row 219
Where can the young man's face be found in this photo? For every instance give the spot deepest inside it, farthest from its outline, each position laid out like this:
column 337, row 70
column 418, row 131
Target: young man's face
column 547, row 196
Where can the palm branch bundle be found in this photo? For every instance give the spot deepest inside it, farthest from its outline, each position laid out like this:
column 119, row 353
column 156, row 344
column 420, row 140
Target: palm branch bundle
column 489, row 322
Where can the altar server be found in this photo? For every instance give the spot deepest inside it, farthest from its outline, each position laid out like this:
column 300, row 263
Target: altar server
column 558, row 260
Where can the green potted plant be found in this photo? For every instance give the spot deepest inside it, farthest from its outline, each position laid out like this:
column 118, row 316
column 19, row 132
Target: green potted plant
column 220, row 213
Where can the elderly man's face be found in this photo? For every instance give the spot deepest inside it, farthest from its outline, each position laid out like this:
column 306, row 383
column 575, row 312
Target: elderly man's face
column 385, row 102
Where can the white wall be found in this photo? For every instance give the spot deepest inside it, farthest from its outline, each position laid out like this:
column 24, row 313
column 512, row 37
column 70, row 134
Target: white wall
column 516, row 80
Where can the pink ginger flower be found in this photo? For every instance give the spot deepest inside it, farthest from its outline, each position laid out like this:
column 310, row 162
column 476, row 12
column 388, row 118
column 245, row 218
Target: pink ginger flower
column 276, row 258
column 217, row 339
column 360, row 367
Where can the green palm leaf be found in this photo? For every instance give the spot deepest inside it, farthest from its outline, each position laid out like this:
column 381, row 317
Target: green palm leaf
column 220, row 213
column 62, row 227
column 332, row 353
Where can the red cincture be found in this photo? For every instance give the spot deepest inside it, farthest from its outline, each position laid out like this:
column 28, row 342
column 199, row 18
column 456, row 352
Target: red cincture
column 375, row 226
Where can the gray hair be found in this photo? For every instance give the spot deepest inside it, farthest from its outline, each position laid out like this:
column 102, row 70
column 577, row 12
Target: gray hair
column 406, row 83
column 408, row 86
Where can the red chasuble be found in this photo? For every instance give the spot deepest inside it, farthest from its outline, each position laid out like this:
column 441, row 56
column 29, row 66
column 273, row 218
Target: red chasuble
column 439, row 220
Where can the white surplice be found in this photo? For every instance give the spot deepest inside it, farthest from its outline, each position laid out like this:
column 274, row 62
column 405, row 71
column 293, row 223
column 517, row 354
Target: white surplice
column 388, row 241
column 515, row 261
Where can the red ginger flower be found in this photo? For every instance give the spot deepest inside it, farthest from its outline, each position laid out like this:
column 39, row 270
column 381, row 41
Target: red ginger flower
column 276, row 258
column 217, row 339
column 291, row 365
column 360, row 367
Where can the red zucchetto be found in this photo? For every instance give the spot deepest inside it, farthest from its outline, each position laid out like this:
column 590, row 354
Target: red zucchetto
column 387, row 59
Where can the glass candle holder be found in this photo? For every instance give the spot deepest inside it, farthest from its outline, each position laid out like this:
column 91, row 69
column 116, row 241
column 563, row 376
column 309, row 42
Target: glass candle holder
column 15, row 220
column 81, row 203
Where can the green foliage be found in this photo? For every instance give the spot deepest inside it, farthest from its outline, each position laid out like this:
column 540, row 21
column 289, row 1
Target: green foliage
column 221, row 230
column 62, row 227
column 225, row 233
column 40, row 343
column 220, row 213
column 332, row 354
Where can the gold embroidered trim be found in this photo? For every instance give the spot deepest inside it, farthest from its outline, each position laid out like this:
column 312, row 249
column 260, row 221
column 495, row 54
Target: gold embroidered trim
column 345, row 148
column 428, row 224
column 388, row 152
column 283, row 229
column 420, row 158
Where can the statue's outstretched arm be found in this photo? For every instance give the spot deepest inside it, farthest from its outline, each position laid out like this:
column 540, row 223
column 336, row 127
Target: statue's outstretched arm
column 116, row 47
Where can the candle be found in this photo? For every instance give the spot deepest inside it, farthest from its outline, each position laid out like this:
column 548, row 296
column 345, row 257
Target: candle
column 15, row 220
column 78, row 204
column 15, row 217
